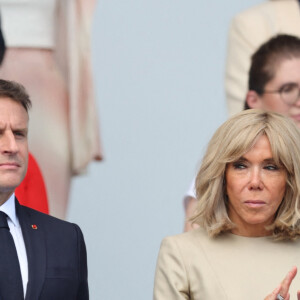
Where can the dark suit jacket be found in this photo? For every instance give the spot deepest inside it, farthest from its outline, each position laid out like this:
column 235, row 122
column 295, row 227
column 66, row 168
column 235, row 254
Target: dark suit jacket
column 56, row 253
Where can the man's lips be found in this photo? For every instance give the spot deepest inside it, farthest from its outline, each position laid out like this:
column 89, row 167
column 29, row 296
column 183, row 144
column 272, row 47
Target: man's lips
column 254, row 203
column 9, row 165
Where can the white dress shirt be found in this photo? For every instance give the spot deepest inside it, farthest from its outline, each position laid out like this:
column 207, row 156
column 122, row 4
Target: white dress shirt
column 9, row 207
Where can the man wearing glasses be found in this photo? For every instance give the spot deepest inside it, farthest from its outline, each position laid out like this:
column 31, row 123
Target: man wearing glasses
column 248, row 30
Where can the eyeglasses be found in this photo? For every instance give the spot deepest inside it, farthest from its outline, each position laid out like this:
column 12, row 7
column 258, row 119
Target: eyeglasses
column 289, row 93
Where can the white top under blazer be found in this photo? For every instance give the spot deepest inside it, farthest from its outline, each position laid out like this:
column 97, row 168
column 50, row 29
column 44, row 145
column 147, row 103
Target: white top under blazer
column 28, row 23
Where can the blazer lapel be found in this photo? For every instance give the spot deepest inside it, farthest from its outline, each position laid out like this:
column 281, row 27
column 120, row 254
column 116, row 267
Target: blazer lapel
column 36, row 251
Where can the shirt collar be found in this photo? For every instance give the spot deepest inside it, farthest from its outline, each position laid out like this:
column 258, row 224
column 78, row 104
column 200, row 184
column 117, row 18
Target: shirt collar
column 9, row 207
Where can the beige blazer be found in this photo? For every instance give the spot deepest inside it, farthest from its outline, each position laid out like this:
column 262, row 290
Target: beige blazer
column 195, row 267
column 248, row 30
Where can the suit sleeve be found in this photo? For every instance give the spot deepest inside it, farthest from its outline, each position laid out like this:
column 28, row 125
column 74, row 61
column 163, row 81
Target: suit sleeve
column 171, row 277
column 83, row 290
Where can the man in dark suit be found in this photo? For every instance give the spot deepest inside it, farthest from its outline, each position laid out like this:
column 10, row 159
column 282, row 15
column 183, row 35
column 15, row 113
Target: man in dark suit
column 50, row 256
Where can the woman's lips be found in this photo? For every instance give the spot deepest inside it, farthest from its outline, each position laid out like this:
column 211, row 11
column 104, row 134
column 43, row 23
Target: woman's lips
column 255, row 203
column 296, row 117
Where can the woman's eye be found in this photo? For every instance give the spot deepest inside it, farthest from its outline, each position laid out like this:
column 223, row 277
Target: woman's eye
column 271, row 167
column 238, row 165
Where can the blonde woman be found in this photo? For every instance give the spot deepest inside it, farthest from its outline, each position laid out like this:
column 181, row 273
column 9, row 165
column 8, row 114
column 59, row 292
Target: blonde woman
column 248, row 210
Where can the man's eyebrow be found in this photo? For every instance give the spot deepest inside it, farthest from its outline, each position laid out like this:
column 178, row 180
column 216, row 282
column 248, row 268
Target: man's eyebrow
column 20, row 129
column 290, row 83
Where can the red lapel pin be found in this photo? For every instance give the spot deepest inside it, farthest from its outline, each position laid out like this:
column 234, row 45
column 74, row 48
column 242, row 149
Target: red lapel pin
column 34, row 226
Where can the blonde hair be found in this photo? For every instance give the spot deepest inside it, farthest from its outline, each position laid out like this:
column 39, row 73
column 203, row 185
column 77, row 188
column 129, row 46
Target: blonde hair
column 229, row 143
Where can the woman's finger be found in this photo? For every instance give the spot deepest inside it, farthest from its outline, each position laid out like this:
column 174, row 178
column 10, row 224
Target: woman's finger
column 283, row 288
column 285, row 284
column 274, row 294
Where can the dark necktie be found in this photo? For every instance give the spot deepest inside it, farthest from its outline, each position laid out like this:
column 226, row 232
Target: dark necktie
column 11, row 287
column 2, row 44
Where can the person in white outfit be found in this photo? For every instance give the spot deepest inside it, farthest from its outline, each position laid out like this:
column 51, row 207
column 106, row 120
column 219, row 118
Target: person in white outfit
column 48, row 51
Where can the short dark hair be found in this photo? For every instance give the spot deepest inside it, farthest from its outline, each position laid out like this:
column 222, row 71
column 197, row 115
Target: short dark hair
column 16, row 92
column 265, row 60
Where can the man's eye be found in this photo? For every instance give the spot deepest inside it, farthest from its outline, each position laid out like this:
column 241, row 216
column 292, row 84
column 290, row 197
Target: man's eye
column 19, row 133
column 289, row 88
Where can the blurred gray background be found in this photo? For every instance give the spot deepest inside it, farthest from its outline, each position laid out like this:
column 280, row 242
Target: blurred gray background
column 159, row 68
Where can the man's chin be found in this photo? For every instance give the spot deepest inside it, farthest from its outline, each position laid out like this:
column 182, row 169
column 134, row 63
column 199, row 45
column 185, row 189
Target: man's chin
column 9, row 187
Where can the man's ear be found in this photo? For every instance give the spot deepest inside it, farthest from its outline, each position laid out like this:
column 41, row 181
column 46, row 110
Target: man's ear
column 253, row 100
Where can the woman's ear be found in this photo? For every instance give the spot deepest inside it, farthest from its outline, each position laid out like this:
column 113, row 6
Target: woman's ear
column 253, row 100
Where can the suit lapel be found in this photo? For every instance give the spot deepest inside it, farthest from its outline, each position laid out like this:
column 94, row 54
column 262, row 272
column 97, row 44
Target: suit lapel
column 36, row 251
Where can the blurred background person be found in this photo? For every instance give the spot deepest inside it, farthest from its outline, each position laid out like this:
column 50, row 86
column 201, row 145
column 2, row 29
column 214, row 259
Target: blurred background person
column 248, row 210
column 248, row 30
column 274, row 85
column 48, row 51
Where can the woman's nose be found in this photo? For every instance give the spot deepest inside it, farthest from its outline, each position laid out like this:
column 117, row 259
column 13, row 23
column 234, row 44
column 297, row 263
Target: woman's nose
column 255, row 180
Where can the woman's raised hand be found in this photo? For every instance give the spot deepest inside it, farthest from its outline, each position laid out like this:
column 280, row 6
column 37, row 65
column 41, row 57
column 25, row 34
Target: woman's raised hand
column 283, row 288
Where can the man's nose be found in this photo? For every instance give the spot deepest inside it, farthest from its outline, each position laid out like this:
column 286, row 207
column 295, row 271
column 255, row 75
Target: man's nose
column 8, row 143
column 297, row 103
